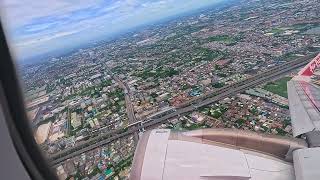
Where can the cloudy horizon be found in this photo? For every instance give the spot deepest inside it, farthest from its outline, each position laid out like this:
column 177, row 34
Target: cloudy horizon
column 35, row 28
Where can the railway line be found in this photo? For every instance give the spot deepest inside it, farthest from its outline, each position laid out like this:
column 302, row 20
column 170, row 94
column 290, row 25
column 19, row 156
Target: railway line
column 191, row 105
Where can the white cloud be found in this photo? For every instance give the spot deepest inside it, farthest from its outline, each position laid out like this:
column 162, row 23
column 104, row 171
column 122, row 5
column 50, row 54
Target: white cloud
column 46, row 38
column 31, row 23
column 20, row 12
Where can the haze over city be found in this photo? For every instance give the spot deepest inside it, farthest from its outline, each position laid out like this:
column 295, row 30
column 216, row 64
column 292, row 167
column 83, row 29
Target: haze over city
column 38, row 27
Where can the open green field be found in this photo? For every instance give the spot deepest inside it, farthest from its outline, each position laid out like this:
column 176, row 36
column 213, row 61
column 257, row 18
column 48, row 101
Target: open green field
column 221, row 38
column 278, row 87
column 225, row 39
column 158, row 73
column 289, row 57
column 209, row 55
column 277, row 30
column 303, row 28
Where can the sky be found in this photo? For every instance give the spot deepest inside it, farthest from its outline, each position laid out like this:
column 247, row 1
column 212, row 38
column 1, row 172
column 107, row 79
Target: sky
column 35, row 27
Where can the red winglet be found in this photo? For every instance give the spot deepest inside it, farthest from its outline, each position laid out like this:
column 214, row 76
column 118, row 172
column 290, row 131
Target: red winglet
column 310, row 68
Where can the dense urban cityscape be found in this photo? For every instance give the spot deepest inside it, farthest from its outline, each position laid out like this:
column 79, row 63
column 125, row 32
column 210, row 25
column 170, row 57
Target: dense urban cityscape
column 152, row 75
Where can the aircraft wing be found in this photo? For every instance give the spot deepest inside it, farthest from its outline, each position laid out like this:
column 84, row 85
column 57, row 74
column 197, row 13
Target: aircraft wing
column 215, row 154
column 304, row 100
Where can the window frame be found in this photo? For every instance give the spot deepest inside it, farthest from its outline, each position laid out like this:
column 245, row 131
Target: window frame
column 13, row 105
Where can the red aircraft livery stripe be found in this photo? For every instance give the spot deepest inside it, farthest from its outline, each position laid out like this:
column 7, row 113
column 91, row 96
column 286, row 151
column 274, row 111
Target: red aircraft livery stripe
column 311, row 67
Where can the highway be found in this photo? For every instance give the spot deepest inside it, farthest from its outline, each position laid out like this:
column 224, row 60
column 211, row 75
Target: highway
column 192, row 105
column 129, row 106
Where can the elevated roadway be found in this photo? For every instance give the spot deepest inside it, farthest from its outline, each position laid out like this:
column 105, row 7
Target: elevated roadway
column 189, row 106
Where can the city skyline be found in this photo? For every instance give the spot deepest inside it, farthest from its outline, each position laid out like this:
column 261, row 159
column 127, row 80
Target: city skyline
column 34, row 28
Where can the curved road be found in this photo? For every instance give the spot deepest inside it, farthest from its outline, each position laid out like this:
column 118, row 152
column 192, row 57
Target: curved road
column 192, row 105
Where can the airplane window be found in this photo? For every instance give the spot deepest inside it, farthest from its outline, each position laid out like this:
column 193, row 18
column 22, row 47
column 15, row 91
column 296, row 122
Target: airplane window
column 112, row 88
